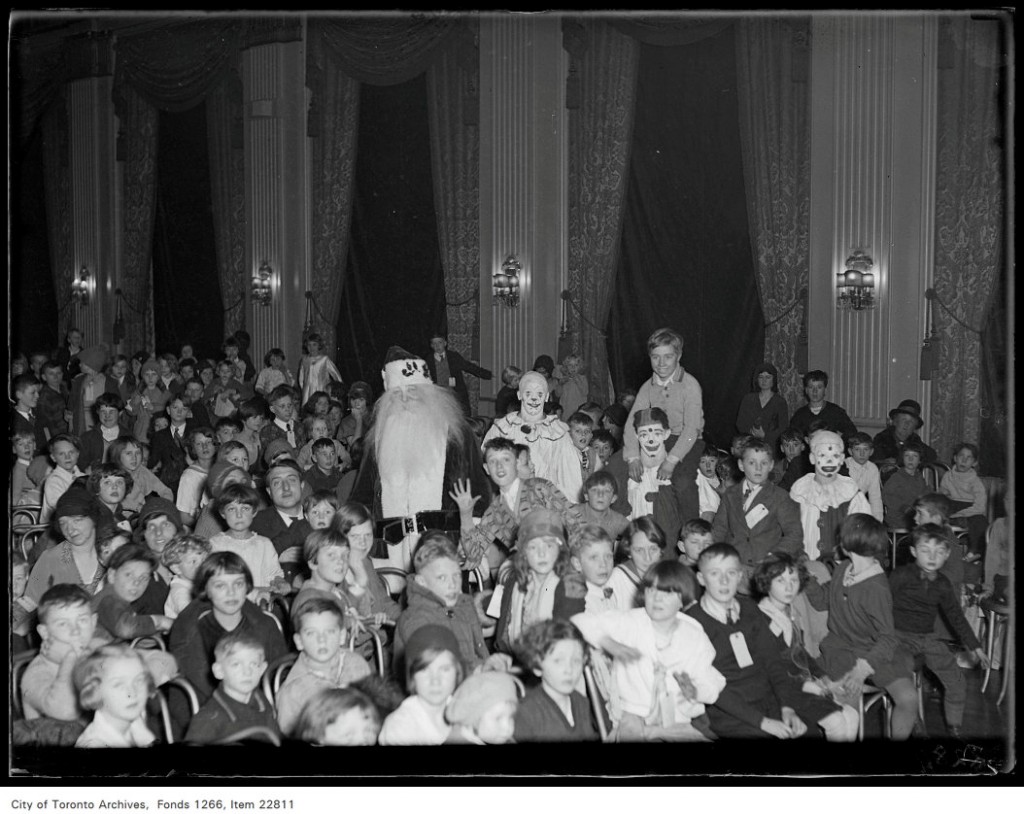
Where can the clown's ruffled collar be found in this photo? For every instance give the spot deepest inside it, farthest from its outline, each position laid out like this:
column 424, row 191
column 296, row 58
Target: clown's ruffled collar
column 549, row 427
column 823, row 496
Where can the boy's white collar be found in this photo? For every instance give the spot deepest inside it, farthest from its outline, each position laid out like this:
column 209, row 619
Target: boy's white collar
column 677, row 376
column 716, row 611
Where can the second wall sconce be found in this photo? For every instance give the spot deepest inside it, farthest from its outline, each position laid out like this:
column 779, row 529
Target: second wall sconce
column 855, row 287
column 261, row 294
column 505, row 282
column 80, row 287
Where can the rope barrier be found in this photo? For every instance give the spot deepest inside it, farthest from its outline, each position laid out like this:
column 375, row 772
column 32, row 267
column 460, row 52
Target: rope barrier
column 932, row 294
column 800, row 297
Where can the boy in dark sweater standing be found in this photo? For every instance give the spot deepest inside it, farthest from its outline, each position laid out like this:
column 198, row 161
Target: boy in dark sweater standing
column 919, row 594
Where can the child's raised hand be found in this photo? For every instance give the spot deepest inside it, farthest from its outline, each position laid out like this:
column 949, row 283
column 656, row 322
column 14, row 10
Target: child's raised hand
column 686, row 685
column 463, row 496
column 776, row 728
column 380, row 619
column 57, row 651
column 618, row 650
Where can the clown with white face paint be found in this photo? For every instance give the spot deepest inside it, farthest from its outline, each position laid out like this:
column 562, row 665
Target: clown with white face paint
column 651, row 432
column 826, row 497
column 551, row 449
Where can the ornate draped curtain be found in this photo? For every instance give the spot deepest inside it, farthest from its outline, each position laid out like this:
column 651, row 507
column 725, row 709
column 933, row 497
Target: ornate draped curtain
column 600, row 133
column 227, row 186
column 969, row 221
column 342, row 53
column 455, row 159
column 172, row 69
column 772, row 60
column 57, row 192
column 333, row 128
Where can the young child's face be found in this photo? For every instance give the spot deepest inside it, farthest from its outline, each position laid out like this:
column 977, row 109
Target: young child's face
column 254, row 423
column 225, row 433
column 130, row 580
column 240, row 670
column 661, row 604
column 435, row 683
column 827, row 459
column 320, row 516
column 193, row 392
column 112, row 490
column 28, row 396
column 283, row 408
column 443, row 578
column 664, row 361
column 318, row 429
column 285, row 487
column 225, row 372
column 108, row 416
column 124, row 688
column 651, row 437
column 911, row 461
column 922, row 515
column 571, row 366
column 524, row 465
column 165, row 368
column 186, row 372
column 151, row 377
column 187, row 566
column 131, row 457
column 581, row 435
column 334, row 417
column 720, row 577
column 930, row 555
column 65, row 455
column 19, row 580
column 600, row 497
column 360, row 539
column 964, row 461
column 53, row 377
column 276, row 361
column 861, row 453
column 186, row 352
column 542, row 554
column 206, row 375
column 321, row 637
column 331, row 564
column 320, row 408
column 707, row 466
column 353, row 727
column 736, row 450
column 595, row 561
column 325, row 458
column 24, row 447
column 205, row 447
column 603, row 450
column 36, row 362
column 314, row 347
column 498, row 723
column 227, row 592
column 815, row 391
column 501, row 467
column 693, row 544
column 756, row 466
column 161, row 423
column 238, row 516
column 643, row 552
column 177, row 409
column 71, row 624
column 239, row 458
column 159, row 531
column 562, row 666
column 785, row 587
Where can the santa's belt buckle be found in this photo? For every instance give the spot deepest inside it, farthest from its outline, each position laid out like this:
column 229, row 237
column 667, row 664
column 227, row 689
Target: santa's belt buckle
column 409, row 526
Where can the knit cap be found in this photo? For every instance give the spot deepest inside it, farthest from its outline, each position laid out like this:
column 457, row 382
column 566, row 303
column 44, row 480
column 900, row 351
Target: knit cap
column 477, row 694
column 77, row 502
column 156, row 506
column 540, row 523
column 153, row 365
column 430, row 637
column 94, row 356
column 275, row 448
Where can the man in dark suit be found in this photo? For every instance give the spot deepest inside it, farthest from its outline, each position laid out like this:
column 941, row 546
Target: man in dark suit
column 282, row 522
column 167, row 452
column 447, row 368
column 756, row 516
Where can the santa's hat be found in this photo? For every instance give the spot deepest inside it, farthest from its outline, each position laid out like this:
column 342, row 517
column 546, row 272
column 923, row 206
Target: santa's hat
column 402, row 367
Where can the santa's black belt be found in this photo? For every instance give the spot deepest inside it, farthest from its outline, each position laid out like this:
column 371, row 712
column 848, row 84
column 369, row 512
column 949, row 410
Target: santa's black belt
column 395, row 529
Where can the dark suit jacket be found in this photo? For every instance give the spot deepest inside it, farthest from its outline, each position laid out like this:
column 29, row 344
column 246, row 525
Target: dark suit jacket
column 166, row 452
column 458, row 366
column 780, row 530
column 271, row 431
column 92, row 446
column 269, row 524
column 21, row 424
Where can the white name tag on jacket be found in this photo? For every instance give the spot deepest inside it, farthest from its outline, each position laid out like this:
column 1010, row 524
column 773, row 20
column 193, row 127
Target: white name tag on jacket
column 756, row 515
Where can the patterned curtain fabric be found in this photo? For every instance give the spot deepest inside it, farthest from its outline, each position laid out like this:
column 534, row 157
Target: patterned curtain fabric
column 57, row 182
column 455, row 159
column 335, row 104
column 771, row 60
column 968, row 223
column 600, row 132
column 384, row 50
column 227, row 188
column 139, row 121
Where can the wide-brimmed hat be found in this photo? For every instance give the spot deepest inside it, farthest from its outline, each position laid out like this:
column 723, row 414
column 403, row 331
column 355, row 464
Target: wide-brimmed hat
column 911, row 408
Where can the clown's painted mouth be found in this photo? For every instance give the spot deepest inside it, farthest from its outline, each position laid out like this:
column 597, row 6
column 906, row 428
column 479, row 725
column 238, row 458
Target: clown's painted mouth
column 829, row 470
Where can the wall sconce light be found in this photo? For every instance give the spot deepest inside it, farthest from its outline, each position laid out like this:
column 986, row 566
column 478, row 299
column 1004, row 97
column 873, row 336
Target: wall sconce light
column 505, row 282
column 80, row 287
column 855, row 287
column 261, row 284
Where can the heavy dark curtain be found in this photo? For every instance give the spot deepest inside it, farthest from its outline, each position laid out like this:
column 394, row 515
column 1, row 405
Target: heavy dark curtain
column 32, row 299
column 186, row 291
column 394, row 286
column 686, row 259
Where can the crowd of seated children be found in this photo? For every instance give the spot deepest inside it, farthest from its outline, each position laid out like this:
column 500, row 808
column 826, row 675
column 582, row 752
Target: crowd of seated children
column 641, row 546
